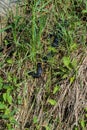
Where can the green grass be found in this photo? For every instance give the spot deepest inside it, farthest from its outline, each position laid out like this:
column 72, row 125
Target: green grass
column 48, row 102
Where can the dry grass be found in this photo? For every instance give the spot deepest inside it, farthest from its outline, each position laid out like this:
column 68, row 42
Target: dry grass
column 30, row 96
column 70, row 107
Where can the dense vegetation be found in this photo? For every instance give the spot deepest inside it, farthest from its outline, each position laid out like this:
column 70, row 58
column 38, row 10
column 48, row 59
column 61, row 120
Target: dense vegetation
column 43, row 67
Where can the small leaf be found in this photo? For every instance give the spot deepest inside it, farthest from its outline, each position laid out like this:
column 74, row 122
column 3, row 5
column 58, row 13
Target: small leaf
column 12, row 120
column 35, row 119
column 2, row 106
column 1, row 80
column 52, row 102
column 86, row 115
column 19, row 99
column 15, row 79
column 65, row 76
column 10, row 61
column 1, row 86
column 5, row 116
column 56, row 89
column 9, row 77
column 86, row 109
column 76, row 128
column 52, row 49
column 8, row 86
column 7, row 112
column 5, row 97
column 82, row 124
column 66, row 61
column 74, row 63
column 9, row 126
column 84, row 11
column 47, row 128
column 9, row 97
column 73, row 46
column 72, row 79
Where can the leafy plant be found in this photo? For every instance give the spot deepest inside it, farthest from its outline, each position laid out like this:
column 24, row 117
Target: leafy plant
column 69, row 67
column 38, row 25
column 82, row 122
column 29, row 35
column 6, row 100
column 52, row 102
column 56, row 89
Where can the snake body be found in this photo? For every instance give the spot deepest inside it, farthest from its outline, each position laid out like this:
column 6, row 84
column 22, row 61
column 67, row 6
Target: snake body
column 45, row 59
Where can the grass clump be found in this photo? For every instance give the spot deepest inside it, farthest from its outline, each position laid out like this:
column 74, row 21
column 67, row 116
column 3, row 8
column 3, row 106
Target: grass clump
column 52, row 34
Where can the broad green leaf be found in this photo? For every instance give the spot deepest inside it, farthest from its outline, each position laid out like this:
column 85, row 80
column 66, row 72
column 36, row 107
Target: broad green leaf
column 52, row 102
column 82, row 124
column 2, row 106
column 73, row 46
column 1, row 86
column 13, row 121
column 66, row 61
column 65, row 76
column 15, row 79
column 9, row 126
column 5, row 97
column 47, row 128
column 5, row 116
column 56, row 89
column 84, row 11
column 86, row 109
column 76, row 128
column 8, row 86
column 72, row 79
column 9, row 77
column 7, row 112
column 86, row 115
column 1, row 80
column 10, row 61
column 1, row 83
column 52, row 49
column 19, row 99
column 35, row 119
column 74, row 63
column 9, row 97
